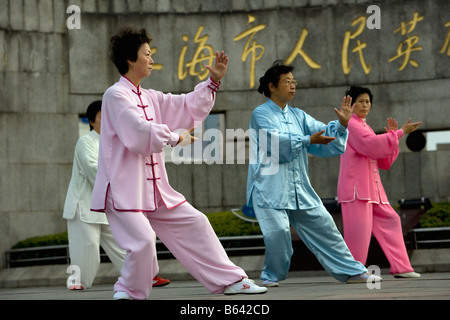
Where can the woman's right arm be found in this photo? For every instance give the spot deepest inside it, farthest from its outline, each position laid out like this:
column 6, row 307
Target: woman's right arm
column 289, row 145
column 136, row 133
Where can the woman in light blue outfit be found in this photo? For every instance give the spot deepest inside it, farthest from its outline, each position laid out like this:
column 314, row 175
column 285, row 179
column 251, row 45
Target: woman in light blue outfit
column 278, row 185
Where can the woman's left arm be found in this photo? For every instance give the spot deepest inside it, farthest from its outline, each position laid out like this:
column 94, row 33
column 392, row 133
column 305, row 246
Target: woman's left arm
column 181, row 111
column 374, row 146
column 335, row 129
column 407, row 128
column 386, row 163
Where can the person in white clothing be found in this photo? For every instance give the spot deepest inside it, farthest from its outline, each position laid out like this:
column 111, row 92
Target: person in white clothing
column 88, row 230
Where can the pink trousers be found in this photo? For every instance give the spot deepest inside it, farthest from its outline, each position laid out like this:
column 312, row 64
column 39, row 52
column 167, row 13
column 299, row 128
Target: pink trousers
column 361, row 219
column 185, row 231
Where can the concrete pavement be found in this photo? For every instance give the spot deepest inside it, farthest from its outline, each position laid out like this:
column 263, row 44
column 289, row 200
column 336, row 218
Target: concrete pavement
column 298, row 286
column 303, row 291
column 300, row 294
column 49, row 283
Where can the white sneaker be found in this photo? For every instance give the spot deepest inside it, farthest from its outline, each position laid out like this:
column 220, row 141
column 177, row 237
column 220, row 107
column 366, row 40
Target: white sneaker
column 267, row 283
column 121, row 295
column 407, row 275
column 363, row 277
column 244, row 286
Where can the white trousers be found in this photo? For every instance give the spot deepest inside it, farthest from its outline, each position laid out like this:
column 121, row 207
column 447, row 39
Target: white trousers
column 85, row 240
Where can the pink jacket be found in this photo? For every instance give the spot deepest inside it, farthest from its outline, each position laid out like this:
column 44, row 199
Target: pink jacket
column 366, row 152
column 136, row 126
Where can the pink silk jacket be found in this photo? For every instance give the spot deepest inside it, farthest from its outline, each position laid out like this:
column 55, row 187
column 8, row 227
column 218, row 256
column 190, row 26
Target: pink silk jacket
column 136, row 126
column 366, row 152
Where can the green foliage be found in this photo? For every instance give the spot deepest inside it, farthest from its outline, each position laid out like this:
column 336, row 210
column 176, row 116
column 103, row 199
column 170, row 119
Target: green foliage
column 438, row 216
column 226, row 224
column 51, row 240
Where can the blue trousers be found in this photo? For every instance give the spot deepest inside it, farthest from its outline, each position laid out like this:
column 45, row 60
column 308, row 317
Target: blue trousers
column 317, row 230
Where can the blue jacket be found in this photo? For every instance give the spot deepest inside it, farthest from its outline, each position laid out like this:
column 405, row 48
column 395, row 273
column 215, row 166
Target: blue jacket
column 279, row 175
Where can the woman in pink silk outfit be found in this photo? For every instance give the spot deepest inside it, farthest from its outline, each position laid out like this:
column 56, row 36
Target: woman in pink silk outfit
column 365, row 207
column 132, row 187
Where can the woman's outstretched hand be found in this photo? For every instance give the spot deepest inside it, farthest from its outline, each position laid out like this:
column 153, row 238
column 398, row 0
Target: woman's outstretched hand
column 319, row 138
column 186, row 138
column 409, row 127
column 346, row 111
column 220, row 67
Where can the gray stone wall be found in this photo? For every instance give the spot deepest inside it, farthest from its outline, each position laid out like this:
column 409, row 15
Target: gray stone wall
column 37, row 131
column 49, row 74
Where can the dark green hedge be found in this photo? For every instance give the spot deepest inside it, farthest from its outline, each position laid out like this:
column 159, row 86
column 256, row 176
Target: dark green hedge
column 51, row 240
column 438, row 216
column 227, row 224
column 224, row 223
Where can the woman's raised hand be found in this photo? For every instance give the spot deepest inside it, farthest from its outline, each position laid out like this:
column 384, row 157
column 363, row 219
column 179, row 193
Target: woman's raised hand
column 346, row 111
column 391, row 125
column 220, row 67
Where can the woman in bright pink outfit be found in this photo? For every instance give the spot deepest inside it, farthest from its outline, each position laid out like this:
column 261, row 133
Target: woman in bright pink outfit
column 365, row 207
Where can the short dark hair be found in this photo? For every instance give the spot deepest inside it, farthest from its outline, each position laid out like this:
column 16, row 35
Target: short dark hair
column 125, row 46
column 354, row 92
column 272, row 75
column 92, row 110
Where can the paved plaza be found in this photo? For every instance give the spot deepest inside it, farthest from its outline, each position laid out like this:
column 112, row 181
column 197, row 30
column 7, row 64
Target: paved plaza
column 431, row 286
column 189, row 299
column 43, row 288
column 25, row 290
